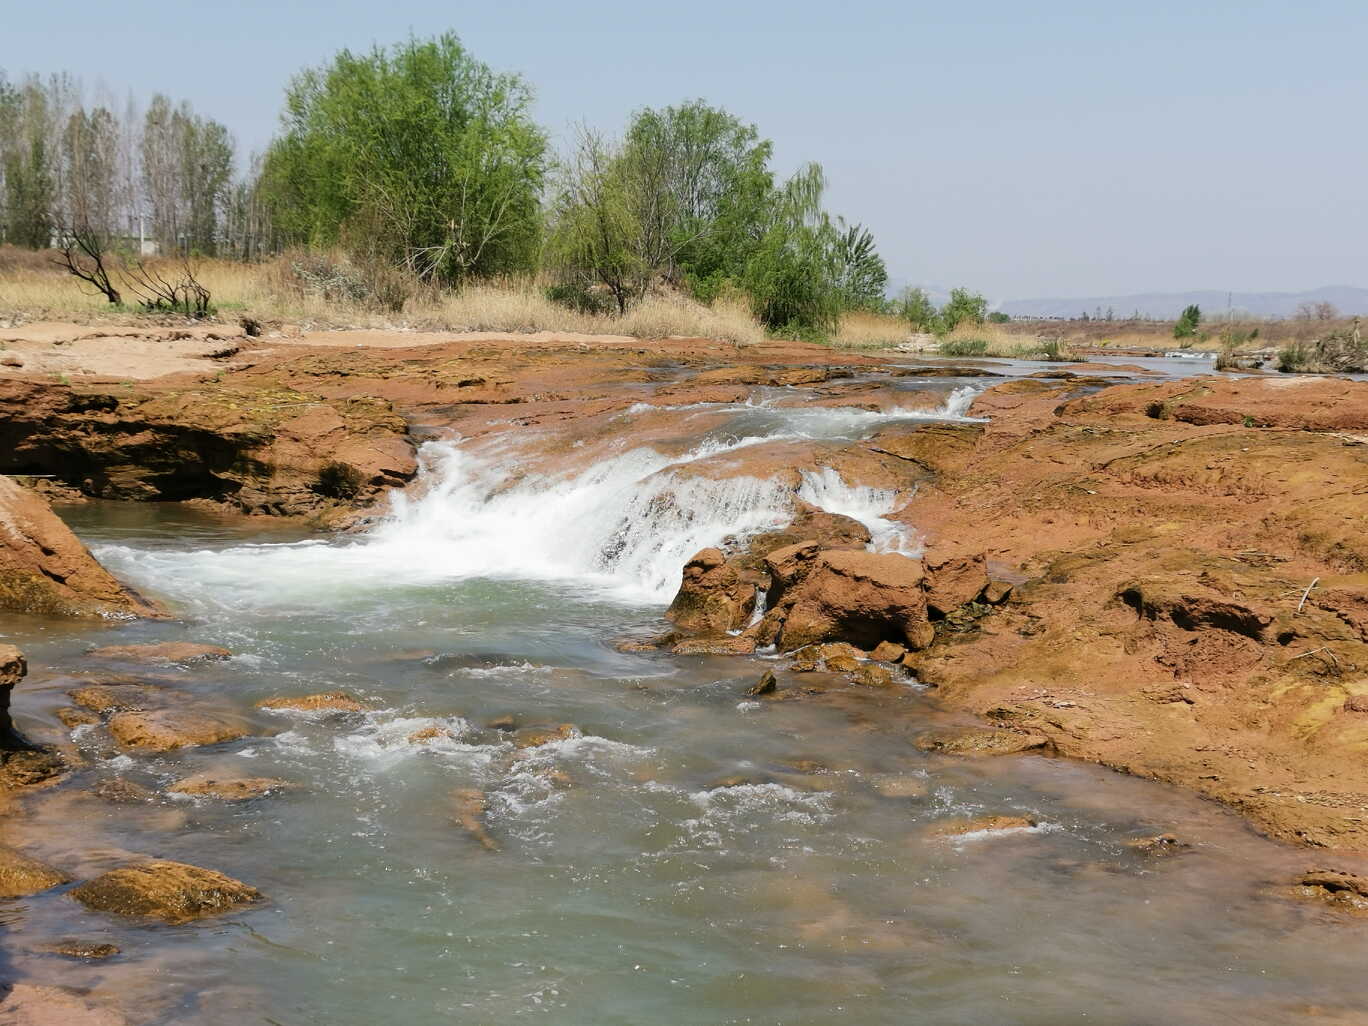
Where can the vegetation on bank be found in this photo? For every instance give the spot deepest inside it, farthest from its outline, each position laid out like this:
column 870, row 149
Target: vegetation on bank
column 416, row 171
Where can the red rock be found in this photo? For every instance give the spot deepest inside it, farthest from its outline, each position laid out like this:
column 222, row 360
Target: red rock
column 45, row 569
column 713, row 596
column 862, row 597
column 161, row 652
column 952, row 581
column 173, row 892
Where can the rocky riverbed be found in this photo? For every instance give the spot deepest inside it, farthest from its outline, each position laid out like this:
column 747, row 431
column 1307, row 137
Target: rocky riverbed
column 940, row 562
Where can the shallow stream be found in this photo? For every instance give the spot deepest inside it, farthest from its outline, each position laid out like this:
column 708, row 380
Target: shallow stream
column 685, row 856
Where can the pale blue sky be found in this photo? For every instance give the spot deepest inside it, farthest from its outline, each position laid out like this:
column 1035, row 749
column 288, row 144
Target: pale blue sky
column 1025, row 149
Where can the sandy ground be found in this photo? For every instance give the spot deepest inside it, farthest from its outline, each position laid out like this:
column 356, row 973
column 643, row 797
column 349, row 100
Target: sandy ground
column 47, row 349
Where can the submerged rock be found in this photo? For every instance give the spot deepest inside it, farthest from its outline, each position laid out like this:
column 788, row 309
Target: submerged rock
column 426, row 734
column 227, row 787
column 535, row 737
column 26, row 767
column 978, row 741
column 725, row 644
column 161, row 652
column 103, row 698
column 89, row 950
column 163, row 730
column 173, row 892
column 1348, row 891
column 901, row 786
column 122, row 791
column 73, row 718
column 1158, row 845
column 45, row 569
column 28, row 1004
column 326, row 701
column 469, row 806
column 21, row 875
column 981, row 825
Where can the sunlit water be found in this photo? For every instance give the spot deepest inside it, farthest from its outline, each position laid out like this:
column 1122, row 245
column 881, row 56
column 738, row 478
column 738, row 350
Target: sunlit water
column 630, row 887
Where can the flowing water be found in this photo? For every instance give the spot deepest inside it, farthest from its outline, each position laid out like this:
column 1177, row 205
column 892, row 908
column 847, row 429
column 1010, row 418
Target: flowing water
column 684, row 856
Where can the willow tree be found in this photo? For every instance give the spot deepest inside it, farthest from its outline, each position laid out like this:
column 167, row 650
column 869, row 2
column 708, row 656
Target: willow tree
column 419, row 154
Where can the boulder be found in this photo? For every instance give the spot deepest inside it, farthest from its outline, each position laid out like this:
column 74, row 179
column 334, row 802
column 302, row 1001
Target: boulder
column 45, row 569
column 713, row 596
column 173, row 892
column 834, row 657
column 888, row 652
column 326, row 701
column 997, row 592
column 164, row 730
column 161, row 652
column 953, row 581
column 21, row 875
column 13, row 668
column 844, row 595
column 766, row 685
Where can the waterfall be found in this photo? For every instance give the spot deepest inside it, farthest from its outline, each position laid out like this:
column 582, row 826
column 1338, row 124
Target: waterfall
column 621, row 527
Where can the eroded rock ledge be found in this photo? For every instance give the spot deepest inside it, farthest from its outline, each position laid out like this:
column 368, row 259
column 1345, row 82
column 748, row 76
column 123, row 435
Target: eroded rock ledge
column 1183, row 593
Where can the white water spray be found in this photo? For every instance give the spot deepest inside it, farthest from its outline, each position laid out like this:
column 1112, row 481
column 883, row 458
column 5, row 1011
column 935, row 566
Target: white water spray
column 621, row 527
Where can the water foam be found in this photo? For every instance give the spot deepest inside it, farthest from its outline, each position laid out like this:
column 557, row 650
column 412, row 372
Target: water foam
column 622, row 526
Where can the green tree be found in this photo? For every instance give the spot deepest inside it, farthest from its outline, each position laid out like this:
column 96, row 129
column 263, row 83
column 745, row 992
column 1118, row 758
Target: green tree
column 704, row 189
column 792, row 275
column 962, row 306
column 419, row 154
column 1188, row 320
column 861, row 276
column 915, row 307
column 598, row 235
column 30, row 191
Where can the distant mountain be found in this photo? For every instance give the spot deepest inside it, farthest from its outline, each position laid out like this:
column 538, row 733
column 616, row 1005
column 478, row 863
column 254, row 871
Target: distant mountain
column 1346, row 299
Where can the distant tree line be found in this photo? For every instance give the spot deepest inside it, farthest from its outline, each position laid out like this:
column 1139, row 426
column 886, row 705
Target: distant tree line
column 163, row 173
column 420, row 160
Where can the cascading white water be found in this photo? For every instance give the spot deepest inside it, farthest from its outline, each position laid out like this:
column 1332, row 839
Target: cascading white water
column 622, row 526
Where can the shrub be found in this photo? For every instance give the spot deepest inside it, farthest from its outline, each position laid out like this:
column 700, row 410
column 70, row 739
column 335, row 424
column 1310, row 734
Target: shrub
column 1293, row 357
column 339, row 480
column 576, row 296
column 963, row 347
column 1188, row 320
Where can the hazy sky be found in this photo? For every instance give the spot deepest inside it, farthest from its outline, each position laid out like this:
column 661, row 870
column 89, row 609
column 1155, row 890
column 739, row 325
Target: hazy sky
column 1059, row 147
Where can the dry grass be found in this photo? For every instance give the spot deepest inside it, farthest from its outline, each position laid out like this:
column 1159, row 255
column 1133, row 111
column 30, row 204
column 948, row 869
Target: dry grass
column 32, row 288
column 861, row 329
